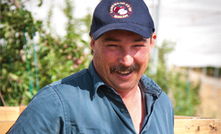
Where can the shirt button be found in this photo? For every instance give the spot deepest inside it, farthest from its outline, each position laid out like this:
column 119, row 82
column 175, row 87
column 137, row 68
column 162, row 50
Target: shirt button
column 122, row 110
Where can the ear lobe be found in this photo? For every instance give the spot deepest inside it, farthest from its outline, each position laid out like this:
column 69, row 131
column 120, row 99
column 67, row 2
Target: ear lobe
column 153, row 40
column 92, row 43
column 154, row 36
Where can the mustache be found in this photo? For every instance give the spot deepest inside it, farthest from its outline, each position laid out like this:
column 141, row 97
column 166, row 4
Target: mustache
column 122, row 68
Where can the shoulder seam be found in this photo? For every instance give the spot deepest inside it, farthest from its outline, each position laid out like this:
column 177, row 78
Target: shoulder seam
column 65, row 109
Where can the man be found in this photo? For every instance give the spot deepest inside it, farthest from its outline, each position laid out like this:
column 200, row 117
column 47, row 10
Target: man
column 112, row 96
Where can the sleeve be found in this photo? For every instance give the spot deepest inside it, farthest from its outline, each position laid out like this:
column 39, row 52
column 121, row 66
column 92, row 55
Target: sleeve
column 43, row 115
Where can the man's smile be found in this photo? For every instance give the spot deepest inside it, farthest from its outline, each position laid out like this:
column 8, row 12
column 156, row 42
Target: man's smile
column 126, row 72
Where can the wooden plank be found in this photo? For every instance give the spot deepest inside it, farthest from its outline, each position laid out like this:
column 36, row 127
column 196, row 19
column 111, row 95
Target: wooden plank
column 5, row 126
column 9, row 113
column 8, row 116
column 190, row 117
column 197, row 126
column 21, row 109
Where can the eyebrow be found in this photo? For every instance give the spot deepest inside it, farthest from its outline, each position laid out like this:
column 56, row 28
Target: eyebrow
column 142, row 39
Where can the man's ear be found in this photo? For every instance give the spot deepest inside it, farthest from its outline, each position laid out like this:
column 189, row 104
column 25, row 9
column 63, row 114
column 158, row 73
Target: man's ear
column 153, row 40
column 92, row 43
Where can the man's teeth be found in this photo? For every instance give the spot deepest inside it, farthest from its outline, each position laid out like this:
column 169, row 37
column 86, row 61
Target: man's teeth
column 124, row 72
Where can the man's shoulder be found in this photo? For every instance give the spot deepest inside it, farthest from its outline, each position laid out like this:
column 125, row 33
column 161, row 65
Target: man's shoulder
column 70, row 85
column 78, row 76
column 68, row 89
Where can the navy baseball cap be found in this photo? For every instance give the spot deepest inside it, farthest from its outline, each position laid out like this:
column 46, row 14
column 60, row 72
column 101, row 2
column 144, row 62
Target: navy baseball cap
column 130, row 15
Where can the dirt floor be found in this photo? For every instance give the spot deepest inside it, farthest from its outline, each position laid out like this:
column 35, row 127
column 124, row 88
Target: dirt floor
column 210, row 92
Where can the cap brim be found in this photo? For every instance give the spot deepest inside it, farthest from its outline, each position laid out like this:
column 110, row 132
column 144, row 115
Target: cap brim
column 138, row 29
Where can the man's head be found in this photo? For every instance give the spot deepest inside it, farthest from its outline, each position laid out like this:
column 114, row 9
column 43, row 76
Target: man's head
column 121, row 39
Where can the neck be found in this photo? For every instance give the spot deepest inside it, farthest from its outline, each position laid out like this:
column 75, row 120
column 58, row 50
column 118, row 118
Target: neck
column 128, row 94
column 131, row 97
column 134, row 103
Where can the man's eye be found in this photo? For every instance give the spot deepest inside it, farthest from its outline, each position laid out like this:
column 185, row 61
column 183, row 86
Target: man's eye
column 138, row 45
column 111, row 45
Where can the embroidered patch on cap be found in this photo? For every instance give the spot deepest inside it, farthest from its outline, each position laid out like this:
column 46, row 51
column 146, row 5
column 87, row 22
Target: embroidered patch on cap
column 120, row 10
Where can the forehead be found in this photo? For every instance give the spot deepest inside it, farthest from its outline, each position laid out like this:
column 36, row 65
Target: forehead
column 122, row 34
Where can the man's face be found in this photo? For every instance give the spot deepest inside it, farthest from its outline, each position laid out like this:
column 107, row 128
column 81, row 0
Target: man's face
column 121, row 57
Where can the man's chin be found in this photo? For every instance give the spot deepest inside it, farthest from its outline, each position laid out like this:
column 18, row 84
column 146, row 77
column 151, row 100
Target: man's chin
column 127, row 86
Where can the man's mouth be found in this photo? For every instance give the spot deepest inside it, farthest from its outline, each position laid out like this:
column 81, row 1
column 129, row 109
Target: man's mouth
column 124, row 72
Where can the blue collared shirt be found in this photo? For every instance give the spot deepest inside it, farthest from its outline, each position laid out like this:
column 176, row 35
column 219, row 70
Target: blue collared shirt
column 83, row 104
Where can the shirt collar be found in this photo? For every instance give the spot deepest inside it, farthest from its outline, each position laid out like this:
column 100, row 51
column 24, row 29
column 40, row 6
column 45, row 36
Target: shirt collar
column 96, row 79
column 146, row 84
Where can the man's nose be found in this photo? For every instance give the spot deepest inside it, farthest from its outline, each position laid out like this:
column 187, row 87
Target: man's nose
column 127, row 60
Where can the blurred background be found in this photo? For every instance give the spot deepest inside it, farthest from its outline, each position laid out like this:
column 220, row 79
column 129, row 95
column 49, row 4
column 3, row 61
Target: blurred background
column 42, row 41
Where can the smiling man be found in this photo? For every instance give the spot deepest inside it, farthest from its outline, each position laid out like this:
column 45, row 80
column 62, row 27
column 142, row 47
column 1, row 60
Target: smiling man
column 112, row 96
column 120, row 58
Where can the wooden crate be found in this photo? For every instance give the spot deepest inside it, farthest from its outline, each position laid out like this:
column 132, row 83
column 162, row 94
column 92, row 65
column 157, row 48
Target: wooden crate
column 196, row 125
column 8, row 116
column 182, row 124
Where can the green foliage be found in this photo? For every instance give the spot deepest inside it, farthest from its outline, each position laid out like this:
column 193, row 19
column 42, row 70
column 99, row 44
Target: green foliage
column 183, row 94
column 21, row 68
column 16, row 26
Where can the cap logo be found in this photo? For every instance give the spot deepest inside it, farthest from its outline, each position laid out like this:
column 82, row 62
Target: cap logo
column 119, row 10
